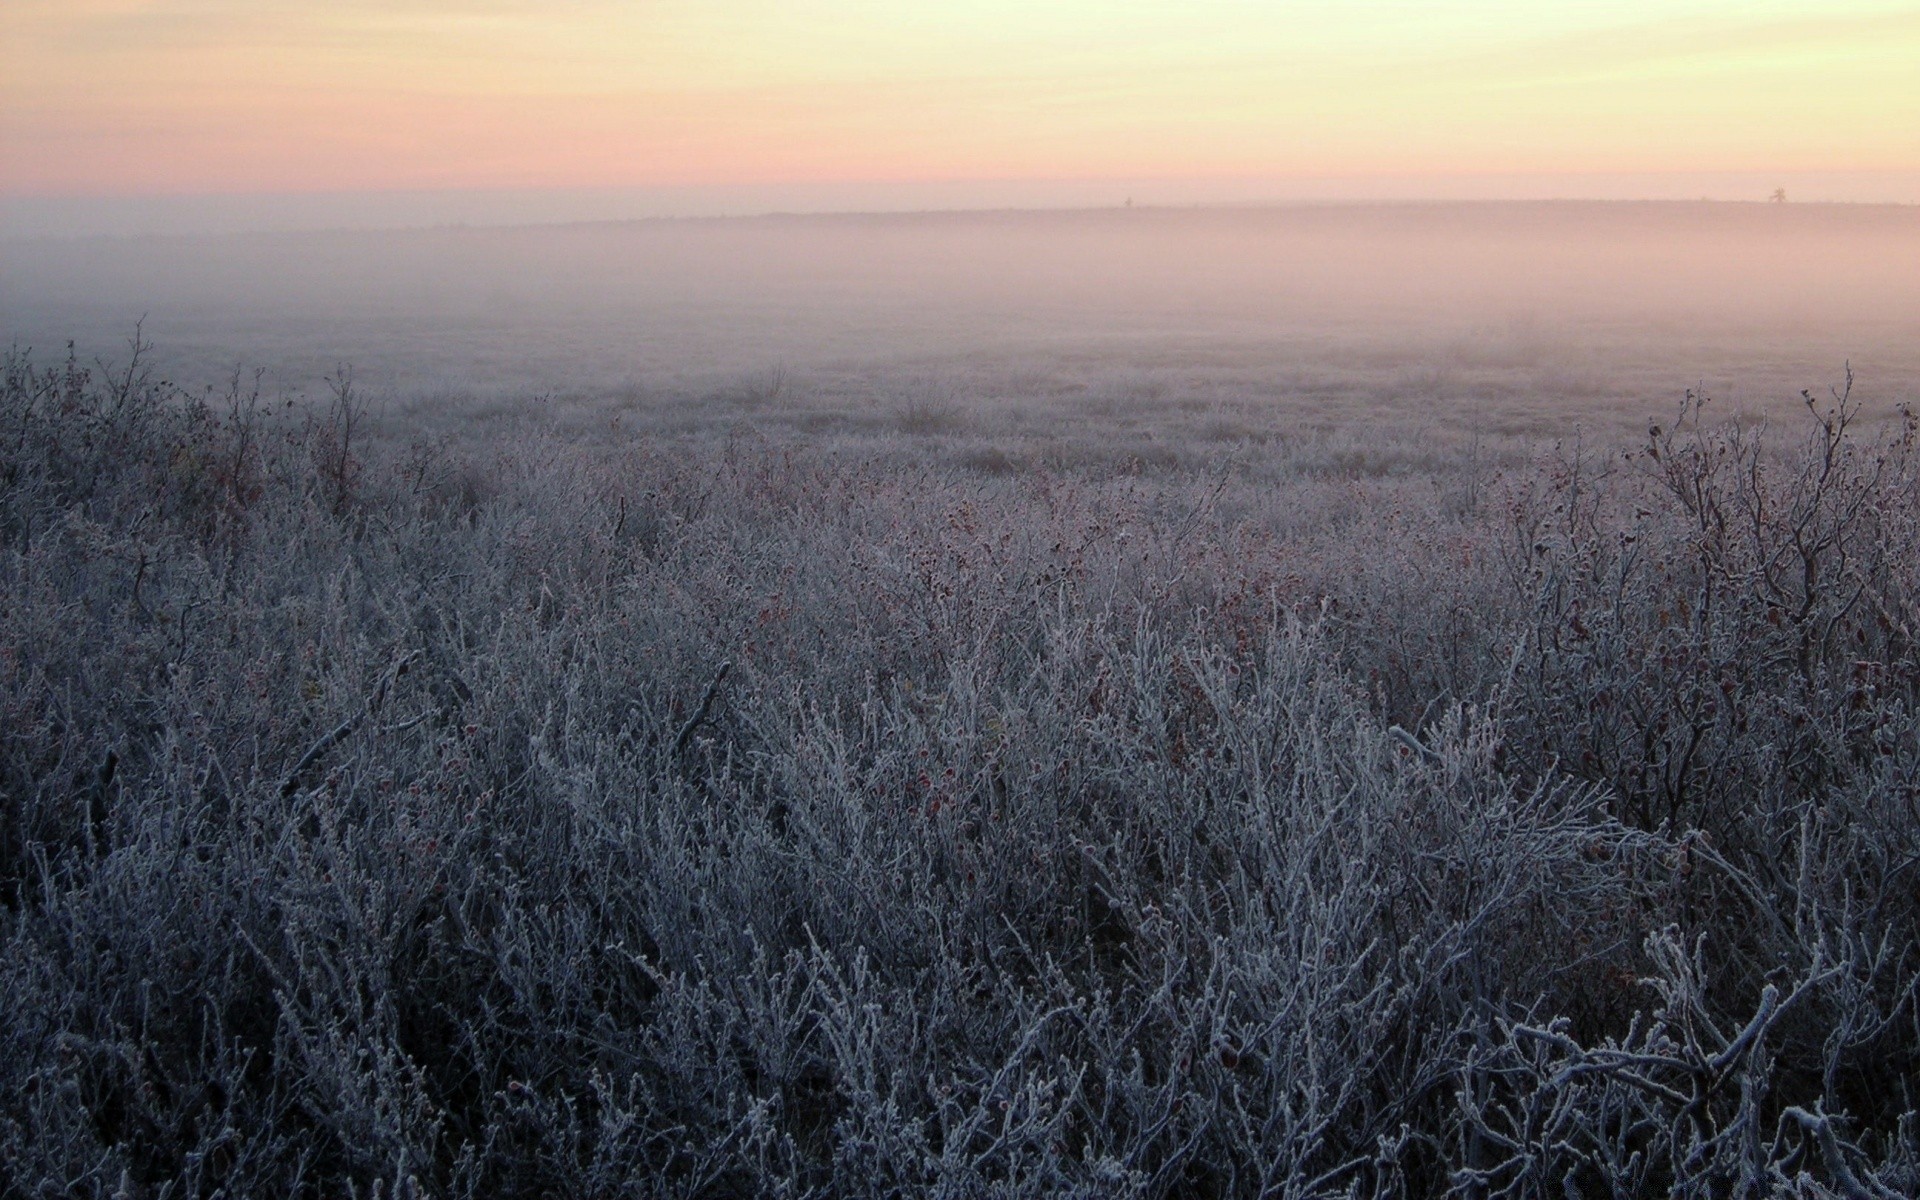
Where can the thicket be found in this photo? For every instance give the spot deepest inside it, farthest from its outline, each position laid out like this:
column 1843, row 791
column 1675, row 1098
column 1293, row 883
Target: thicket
column 730, row 819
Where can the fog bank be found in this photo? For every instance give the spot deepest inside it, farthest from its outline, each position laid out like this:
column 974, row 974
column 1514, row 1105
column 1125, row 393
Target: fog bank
column 1551, row 304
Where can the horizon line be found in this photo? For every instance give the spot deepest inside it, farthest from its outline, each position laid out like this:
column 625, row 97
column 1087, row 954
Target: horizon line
column 34, row 216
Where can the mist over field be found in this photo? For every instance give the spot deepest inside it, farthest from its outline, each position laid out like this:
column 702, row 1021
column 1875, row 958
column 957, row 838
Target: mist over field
column 1521, row 317
column 1386, row 700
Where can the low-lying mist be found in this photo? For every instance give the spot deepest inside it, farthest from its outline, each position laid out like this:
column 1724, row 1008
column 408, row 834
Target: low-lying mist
column 1502, row 317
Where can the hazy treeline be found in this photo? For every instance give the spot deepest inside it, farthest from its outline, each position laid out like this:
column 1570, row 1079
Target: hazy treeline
column 392, row 815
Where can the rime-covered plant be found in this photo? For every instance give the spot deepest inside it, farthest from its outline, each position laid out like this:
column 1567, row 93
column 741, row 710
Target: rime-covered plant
column 723, row 817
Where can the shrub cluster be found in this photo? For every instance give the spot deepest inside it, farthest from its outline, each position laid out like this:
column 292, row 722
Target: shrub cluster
column 743, row 819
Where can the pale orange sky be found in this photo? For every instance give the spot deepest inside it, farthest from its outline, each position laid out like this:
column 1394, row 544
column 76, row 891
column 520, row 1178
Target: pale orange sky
column 119, row 97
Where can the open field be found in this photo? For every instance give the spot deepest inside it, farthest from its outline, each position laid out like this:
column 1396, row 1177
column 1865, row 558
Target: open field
column 1121, row 704
column 1500, row 319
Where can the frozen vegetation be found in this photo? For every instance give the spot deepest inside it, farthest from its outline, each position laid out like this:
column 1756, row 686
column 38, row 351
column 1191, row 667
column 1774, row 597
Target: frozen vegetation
column 388, row 809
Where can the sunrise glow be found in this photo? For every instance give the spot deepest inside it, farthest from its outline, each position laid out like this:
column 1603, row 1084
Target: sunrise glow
column 184, row 96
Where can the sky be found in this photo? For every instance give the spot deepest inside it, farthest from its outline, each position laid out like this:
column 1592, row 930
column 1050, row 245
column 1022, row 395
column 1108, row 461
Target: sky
column 118, row 99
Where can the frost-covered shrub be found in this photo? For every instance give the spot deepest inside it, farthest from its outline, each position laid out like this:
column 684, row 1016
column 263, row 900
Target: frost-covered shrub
column 381, row 818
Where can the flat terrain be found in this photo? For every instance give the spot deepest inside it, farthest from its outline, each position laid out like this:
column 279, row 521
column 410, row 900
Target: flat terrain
column 1125, row 704
column 1492, row 319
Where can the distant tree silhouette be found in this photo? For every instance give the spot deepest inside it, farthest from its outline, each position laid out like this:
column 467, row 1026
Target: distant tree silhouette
column 1779, row 196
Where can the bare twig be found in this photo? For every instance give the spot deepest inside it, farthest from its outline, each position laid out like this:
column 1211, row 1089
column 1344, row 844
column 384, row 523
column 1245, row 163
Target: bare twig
column 706, row 705
column 328, row 741
column 339, row 733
